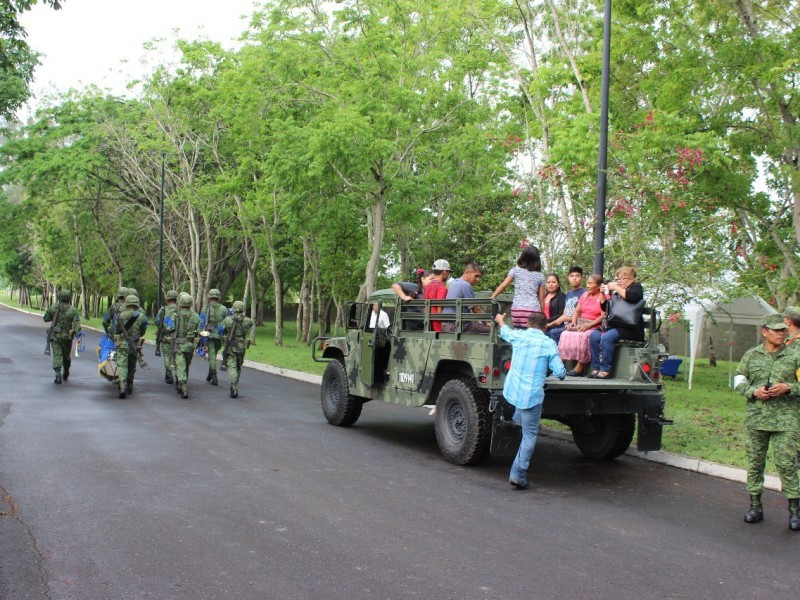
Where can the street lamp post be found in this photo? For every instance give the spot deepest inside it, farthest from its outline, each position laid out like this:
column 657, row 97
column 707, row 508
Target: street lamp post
column 602, row 160
column 161, row 238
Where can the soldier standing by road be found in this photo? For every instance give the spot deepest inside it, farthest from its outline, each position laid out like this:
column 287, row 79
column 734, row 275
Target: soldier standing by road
column 111, row 316
column 129, row 328
column 767, row 378
column 235, row 331
column 67, row 324
column 167, row 311
column 186, row 333
column 214, row 313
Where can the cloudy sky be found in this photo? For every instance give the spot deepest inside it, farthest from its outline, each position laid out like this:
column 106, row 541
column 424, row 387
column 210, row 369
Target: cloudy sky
column 101, row 41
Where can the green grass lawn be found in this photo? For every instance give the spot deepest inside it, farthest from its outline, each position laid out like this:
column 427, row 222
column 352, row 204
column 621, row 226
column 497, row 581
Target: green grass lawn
column 709, row 418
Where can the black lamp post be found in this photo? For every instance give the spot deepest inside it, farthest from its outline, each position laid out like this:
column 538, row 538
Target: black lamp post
column 161, row 238
column 602, row 160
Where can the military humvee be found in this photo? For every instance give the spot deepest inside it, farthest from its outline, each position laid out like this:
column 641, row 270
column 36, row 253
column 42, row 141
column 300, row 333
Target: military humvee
column 462, row 374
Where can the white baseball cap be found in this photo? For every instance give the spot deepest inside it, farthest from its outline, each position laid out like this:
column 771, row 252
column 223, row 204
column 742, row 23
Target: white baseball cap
column 441, row 265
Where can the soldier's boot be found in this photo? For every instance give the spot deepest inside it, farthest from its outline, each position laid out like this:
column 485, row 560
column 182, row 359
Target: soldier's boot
column 130, row 387
column 65, row 376
column 184, row 391
column 58, row 376
column 168, row 377
column 234, row 391
column 123, row 391
column 756, row 512
column 209, row 376
column 214, row 378
column 794, row 514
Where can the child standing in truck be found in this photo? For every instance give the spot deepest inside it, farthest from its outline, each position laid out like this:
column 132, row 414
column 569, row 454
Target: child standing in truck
column 528, row 286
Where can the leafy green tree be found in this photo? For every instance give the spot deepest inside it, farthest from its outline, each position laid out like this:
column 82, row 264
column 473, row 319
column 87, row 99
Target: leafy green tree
column 17, row 60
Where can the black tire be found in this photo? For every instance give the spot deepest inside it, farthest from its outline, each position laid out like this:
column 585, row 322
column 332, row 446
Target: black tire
column 604, row 436
column 463, row 422
column 338, row 405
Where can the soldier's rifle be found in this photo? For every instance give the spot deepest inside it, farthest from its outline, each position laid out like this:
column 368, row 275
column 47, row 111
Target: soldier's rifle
column 228, row 343
column 137, row 349
column 160, row 330
column 173, row 342
column 51, row 330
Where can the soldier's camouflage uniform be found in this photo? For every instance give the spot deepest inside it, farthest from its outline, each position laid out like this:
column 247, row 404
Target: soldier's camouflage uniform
column 169, row 310
column 66, row 327
column 215, row 313
column 111, row 316
column 135, row 322
column 240, row 327
column 793, row 341
column 776, row 420
column 186, row 329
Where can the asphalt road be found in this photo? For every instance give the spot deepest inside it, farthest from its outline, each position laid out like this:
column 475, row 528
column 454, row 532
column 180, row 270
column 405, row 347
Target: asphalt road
column 154, row 497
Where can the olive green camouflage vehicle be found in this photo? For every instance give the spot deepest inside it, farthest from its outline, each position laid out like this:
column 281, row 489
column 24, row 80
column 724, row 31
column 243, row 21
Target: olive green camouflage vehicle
column 462, row 374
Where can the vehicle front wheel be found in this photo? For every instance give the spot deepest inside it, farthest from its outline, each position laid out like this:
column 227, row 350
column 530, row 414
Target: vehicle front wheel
column 338, row 405
column 463, row 423
column 604, row 436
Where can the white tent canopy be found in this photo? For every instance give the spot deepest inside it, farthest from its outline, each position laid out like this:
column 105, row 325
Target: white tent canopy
column 748, row 310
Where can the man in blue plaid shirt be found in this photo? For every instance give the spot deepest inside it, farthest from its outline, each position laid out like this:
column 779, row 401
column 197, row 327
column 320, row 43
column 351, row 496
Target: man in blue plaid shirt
column 533, row 354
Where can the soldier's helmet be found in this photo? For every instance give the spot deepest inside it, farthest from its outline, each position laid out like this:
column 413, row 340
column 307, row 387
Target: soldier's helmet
column 64, row 296
column 132, row 292
column 238, row 306
column 184, row 300
column 122, row 292
column 132, row 300
column 214, row 293
column 172, row 295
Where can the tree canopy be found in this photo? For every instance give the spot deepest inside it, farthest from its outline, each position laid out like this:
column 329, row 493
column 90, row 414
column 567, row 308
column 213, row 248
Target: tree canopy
column 344, row 144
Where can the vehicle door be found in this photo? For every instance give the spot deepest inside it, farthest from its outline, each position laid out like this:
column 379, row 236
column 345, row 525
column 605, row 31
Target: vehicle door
column 368, row 344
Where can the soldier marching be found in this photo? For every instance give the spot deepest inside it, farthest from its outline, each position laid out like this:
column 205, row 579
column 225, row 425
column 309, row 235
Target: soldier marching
column 128, row 329
column 166, row 313
column 184, row 335
column 235, row 330
column 66, row 323
column 214, row 313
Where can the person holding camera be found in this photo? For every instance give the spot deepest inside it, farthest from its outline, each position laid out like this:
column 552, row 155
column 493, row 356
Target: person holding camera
column 767, row 378
column 625, row 289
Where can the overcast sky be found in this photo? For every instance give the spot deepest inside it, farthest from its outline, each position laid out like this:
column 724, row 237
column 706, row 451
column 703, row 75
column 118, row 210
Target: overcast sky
column 101, row 41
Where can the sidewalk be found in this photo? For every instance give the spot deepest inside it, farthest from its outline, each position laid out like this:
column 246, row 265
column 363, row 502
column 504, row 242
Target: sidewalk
column 686, row 463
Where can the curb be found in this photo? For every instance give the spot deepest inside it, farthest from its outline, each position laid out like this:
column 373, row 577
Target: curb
column 685, row 463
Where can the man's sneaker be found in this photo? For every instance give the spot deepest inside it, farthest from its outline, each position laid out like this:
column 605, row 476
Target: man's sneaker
column 518, row 485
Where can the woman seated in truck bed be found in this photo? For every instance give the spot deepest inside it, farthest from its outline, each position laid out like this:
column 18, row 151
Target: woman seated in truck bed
column 624, row 288
column 588, row 315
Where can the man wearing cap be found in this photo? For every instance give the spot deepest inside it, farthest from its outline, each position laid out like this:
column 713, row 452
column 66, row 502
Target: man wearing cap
column 165, row 315
column 211, row 318
column 436, row 289
column 791, row 316
column 113, row 311
column 67, row 325
column 767, row 378
column 134, row 322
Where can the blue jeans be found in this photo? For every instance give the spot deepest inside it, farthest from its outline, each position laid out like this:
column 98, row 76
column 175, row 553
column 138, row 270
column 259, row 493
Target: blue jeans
column 529, row 419
column 601, row 345
column 554, row 333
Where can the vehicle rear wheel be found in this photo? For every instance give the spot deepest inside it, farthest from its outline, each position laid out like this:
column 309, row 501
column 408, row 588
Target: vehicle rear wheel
column 604, row 436
column 463, row 423
column 339, row 406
